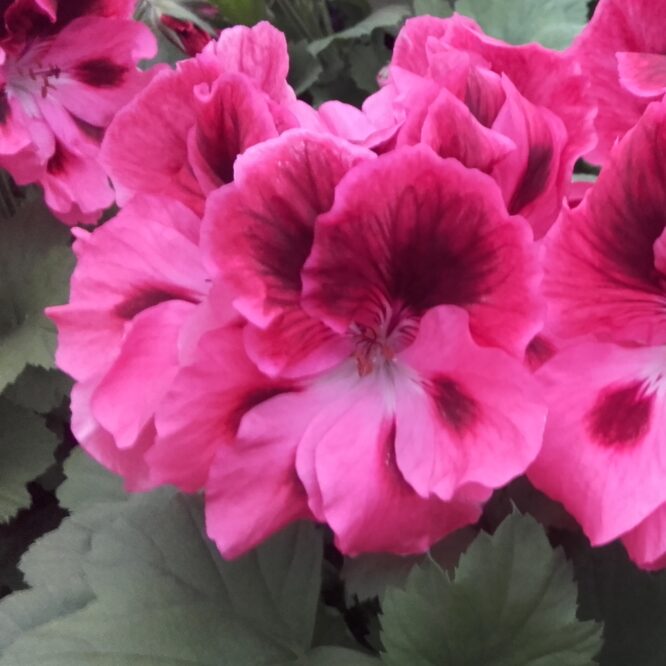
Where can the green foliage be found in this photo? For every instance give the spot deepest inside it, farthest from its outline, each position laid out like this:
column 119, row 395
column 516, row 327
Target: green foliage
column 440, row 8
column 38, row 389
column 247, row 12
column 511, row 602
column 133, row 580
column 26, row 451
column 553, row 23
column 35, row 265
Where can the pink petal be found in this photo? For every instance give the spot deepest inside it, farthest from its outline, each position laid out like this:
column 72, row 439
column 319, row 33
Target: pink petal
column 602, row 275
column 133, row 387
column 646, row 543
column 643, row 74
column 532, row 177
column 260, row 53
column 76, row 188
column 602, row 455
column 617, row 26
column 546, row 78
column 258, row 232
column 410, row 231
column 129, row 463
column 137, row 260
column 452, row 131
column 472, row 415
column 231, row 116
column 201, row 413
column 365, row 499
column 98, row 59
column 295, row 344
column 253, row 490
column 145, row 147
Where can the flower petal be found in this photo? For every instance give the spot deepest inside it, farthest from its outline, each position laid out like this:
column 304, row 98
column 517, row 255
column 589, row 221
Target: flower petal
column 643, row 74
column 603, row 446
column 133, row 387
column 470, row 415
column 258, row 232
column 410, row 231
column 601, row 274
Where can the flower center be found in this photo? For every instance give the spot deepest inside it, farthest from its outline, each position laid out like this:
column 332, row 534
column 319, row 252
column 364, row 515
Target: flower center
column 377, row 343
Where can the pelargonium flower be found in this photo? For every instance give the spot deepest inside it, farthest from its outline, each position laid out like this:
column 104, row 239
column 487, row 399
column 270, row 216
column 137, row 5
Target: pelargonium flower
column 181, row 135
column 519, row 113
column 133, row 300
column 66, row 68
column 621, row 50
column 388, row 302
column 604, row 446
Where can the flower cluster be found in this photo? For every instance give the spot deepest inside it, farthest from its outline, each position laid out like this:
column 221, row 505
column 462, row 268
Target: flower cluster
column 369, row 318
column 65, row 69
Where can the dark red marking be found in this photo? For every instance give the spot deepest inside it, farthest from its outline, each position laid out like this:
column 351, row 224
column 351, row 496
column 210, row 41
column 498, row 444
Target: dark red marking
column 620, row 416
column 459, row 412
column 100, row 73
column 253, row 398
column 4, row 107
column 535, row 178
column 538, row 352
column 147, row 298
column 57, row 163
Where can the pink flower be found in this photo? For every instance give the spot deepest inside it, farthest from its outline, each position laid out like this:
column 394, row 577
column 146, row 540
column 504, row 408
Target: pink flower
column 182, row 134
column 136, row 285
column 67, row 68
column 519, row 113
column 604, row 445
column 389, row 303
column 621, row 51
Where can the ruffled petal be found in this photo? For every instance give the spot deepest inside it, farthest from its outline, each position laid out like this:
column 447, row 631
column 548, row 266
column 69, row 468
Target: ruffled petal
column 603, row 455
column 601, row 273
column 469, row 415
column 258, row 232
column 410, row 231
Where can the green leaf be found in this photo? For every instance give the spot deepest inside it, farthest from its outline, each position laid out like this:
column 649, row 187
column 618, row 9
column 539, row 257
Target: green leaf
column 162, row 595
column 385, row 17
column 512, row 602
column 38, row 389
column 247, row 12
column 334, row 656
column 304, row 68
column 35, row 265
column 366, row 62
column 88, row 483
column 440, row 8
column 553, row 23
column 631, row 603
column 368, row 576
column 26, row 451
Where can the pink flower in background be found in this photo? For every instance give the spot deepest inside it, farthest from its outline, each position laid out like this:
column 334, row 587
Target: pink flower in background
column 181, row 135
column 389, row 303
column 604, row 454
column 519, row 113
column 622, row 51
column 137, row 283
column 67, row 67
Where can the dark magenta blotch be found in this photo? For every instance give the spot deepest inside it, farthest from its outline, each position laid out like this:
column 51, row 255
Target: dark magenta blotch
column 535, row 178
column 620, row 415
column 458, row 411
column 100, row 73
column 147, row 298
column 4, row 107
column 57, row 163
